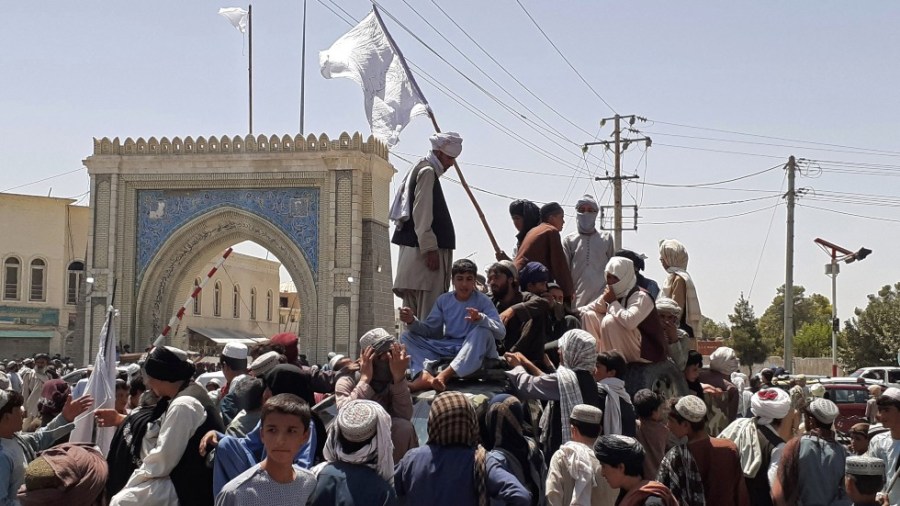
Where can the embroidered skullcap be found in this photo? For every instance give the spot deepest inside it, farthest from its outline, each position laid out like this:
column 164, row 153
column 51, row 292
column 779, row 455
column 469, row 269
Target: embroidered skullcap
column 665, row 305
column 724, row 360
column 379, row 339
column 623, row 269
column 636, row 258
column 860, row 428
column 533, row 272
column 166, row 363
column 823, row 410
column 334, row 360
column 588, row 200
column 549, row 209
column 358, row 421
column 691, row 408
column 264, row 363
column 69, row 473
column 449, row 143
column 451, row 420
column 861, row 465
column 770, row 404
column 235, row 350
column 587, row 414
column 615, row 449
column 893, row 393
column 506, row 267
column 874, row 389
column 578, row 349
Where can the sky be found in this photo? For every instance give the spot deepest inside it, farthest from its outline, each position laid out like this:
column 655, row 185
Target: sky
column 729, row 90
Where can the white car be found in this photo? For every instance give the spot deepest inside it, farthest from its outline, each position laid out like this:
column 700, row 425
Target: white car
column 883, row 374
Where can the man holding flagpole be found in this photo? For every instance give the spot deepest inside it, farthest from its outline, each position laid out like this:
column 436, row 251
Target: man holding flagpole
column 425, row 230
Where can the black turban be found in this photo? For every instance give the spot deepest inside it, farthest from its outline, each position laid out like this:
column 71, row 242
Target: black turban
column 549, row 209
column 290, row 379
column 694, row 358
column 614, row 449
column 634, row 257
column 165, row 364
column 531, row 217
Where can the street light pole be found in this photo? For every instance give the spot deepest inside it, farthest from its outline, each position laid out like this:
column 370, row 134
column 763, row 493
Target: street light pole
column 832, row 269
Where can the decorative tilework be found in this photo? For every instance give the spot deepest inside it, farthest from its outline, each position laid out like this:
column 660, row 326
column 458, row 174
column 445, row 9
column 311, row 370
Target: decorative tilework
column 160, row 213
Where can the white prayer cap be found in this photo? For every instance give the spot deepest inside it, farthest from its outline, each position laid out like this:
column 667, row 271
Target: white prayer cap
column 587, row 414
column 358, row 421
column 864, row 466
column 264, row 363
column 334, row 360
column 379, row 339
column 893, row 393
column 665, row 305
column 691, row 408
column 235, row 350
column 770, row 404
column 817, row 390
column 823, row 410
column 449, row 143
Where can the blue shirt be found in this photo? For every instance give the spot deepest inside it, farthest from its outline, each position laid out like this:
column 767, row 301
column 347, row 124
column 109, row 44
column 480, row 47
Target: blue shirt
column 448, row 317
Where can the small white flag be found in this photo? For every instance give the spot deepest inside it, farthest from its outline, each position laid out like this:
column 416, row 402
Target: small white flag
column 365, row 54
column 236, row 16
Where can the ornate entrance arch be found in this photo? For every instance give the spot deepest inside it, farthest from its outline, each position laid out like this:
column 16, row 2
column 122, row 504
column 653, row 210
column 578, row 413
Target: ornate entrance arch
column 162, row 209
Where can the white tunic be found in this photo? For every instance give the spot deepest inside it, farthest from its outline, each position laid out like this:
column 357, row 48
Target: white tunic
column 162, row 448
column 587, row 255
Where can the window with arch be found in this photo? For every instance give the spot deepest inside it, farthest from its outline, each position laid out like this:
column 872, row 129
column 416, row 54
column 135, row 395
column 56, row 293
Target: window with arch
column 12, row 269
column 38, row 280
column 197, row 300
column 236, row 302
column 74, row 277
column 269, row 306
column 217, row 299
column 253, row 303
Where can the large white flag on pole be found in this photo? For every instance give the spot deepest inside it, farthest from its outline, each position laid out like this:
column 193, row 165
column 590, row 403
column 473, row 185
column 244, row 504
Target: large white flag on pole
column 102, row 387
column 236, row 16
column 368, row 55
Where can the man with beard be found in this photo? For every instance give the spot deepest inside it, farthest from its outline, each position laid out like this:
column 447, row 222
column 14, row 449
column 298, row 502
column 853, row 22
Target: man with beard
column 32, row 384
column 524, row 314
column 587, row 251
column 382, row 378
column 543, row 244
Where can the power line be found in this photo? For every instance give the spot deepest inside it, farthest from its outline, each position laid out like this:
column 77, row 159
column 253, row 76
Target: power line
column 715, row 218
column 563, row 56
column 875, row 218
column 713, row 204
column 714, row 183
column 42, row 180
column 736, row 141
column 765, row 242
column 744, row 153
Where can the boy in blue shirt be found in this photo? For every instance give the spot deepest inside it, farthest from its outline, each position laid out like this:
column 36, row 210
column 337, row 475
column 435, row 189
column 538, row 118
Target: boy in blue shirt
column 463, row 324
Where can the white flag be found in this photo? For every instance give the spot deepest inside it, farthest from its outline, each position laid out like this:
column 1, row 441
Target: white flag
column 365, row 54
column 102, row 387
column 236, row 16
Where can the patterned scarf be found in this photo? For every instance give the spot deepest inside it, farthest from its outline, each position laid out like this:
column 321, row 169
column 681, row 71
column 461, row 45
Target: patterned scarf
column 680, row 473
column 451, row 421
column 578, row 350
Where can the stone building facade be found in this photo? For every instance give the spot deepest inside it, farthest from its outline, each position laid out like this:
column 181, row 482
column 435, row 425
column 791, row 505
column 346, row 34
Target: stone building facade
column 161, row 208
column 42, row 252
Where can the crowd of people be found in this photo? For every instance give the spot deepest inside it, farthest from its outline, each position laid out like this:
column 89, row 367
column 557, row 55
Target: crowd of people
column 562, row 334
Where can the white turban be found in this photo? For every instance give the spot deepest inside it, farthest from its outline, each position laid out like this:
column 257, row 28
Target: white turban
column 449, row 143
column 770, row 404
column 724, row 361
column 623, row 269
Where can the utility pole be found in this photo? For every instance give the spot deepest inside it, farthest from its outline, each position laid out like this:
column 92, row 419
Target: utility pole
column 791, row 167
column 619, row 146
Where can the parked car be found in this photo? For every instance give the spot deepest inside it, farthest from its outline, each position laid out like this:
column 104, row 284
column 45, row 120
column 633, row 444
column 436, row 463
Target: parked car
column 851, row 402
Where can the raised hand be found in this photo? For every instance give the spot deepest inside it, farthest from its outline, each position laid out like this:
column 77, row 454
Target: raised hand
column 108, row 417
column 473, row 315
column 72, row 409
column 366, row 365
column 406, row 315
column 399, row 361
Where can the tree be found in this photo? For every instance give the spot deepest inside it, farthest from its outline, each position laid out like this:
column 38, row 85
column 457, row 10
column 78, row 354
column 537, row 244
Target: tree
column 872, row 337
column 813, row 340
column 713, row 329
column 807, row 310
column 747, row 340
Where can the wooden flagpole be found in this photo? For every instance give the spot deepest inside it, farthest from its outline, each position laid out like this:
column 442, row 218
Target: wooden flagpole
column 415, row 85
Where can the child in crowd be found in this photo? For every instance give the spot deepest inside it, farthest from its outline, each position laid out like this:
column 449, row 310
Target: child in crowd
column 276, row 480
column 652, row 431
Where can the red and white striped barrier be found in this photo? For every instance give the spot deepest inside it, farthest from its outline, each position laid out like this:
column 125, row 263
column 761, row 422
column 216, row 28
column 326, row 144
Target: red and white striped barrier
column 180, row 314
